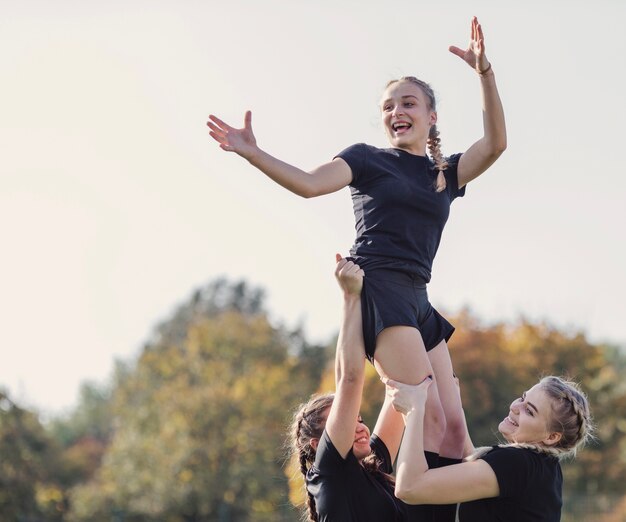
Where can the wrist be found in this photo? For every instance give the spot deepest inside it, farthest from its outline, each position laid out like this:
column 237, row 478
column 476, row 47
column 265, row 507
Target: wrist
column 485, row 71
column 251, row 155
column 415, row 408
column 350, row 298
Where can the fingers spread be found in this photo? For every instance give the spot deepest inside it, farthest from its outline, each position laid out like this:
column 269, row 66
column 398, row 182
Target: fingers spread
column 216, row 137
column 216, row 129
column 221, row 123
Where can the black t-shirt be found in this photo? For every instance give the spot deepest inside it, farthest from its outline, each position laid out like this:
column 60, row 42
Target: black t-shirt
column 398, row 212
column 345, row 492
column 530, row 489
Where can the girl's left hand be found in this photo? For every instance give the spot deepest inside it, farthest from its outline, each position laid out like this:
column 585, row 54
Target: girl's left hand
column 474, row 55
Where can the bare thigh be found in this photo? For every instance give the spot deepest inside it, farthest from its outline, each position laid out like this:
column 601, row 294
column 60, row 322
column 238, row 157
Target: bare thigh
column 400, row 355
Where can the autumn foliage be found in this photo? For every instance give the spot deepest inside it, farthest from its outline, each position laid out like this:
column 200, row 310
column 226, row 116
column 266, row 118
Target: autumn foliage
column 194, row 428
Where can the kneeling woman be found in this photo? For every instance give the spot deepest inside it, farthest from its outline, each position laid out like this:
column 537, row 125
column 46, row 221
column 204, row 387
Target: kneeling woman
column 520, row 481
column 346, row 471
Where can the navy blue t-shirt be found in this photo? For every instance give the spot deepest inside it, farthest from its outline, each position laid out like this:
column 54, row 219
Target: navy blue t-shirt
column 530, row 485
column 398, row 212
column 345, row 492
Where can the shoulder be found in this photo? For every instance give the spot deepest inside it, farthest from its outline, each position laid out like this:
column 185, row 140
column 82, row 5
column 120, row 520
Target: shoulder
column 452, row 176
column 327, row 458
column 364, row 149
column 512, row 455
column 362, row 160
column 379, row 448
column 356, row 149
column 517, row 468
column 453, row 160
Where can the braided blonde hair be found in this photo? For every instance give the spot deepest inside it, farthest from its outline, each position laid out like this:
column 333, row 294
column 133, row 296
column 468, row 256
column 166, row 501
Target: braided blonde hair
column 434, row 141
column 570, row 416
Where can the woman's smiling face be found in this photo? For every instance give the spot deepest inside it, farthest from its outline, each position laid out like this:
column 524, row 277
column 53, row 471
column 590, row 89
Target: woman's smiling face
column 529, row 418
column 407, row 116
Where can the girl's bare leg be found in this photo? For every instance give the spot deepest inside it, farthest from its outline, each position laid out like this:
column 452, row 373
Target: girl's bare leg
column 400, row 355
column 454, row 437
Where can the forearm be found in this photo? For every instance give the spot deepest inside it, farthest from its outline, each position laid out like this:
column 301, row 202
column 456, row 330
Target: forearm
column 411, row 465
column 292, row 178
column 389, row 427
column 494, row 140
column 350, row 354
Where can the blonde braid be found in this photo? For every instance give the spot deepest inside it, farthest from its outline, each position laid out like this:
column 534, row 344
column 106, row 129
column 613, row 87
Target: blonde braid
column 569, row 399
column 434, row 147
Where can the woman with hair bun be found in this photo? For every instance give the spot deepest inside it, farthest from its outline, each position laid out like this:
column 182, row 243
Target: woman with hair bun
column 519, row 481
column 401, row 199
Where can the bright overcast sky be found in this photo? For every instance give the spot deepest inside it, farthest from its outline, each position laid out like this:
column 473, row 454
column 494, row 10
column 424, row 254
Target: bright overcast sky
column 115, row 203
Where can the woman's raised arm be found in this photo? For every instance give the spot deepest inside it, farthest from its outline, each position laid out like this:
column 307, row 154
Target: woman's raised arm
column 482, row 154
column 349, row 360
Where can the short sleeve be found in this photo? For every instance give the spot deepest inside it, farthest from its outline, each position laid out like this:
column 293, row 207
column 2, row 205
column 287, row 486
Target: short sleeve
column 327, row 458
column 452, row 177
column 513, row 469
column 382, row 454
column 355, row 156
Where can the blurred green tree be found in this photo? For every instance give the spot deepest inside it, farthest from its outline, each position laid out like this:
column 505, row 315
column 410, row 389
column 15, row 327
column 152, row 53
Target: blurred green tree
column 29, row 467
column 200, row 419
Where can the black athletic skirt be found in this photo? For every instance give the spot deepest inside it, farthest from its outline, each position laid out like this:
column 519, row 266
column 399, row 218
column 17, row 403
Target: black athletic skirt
column 393, row 298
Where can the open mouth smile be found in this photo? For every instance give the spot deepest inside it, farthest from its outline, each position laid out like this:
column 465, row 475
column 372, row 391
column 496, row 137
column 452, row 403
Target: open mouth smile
column 400, row 127
column 509, row 419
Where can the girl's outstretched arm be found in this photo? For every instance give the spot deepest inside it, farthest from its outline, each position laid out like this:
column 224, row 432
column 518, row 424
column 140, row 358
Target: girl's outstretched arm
column 325, row 179
column 482, row 154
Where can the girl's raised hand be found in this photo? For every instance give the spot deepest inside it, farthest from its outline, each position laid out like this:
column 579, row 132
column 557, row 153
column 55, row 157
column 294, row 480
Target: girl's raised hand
column 349, row 276
column 240, row 141
column 474, row 55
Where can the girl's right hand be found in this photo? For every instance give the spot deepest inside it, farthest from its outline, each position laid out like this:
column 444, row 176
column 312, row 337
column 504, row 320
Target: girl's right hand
column 407, row 398
column 240, row 141
column 349, row 276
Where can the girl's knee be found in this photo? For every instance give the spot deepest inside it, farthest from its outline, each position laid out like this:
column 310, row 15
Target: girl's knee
column 435, row 423
column 455, row 428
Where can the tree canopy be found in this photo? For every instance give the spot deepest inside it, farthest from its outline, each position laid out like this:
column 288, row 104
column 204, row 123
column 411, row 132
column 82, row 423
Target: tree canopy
column 194, row 428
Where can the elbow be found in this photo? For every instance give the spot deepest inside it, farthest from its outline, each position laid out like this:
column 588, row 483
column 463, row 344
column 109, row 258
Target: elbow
column 408, row 495
column 494, row 145
column 495, row 151
column 311, row 192
column 307, row 193
column 308, row 190
column 349, row 379
column 401, row 494
column 499, row 145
